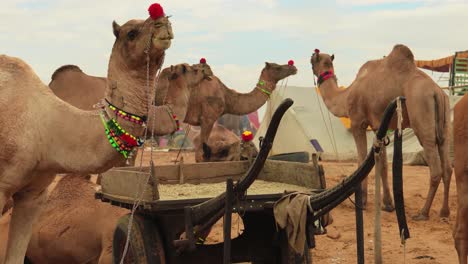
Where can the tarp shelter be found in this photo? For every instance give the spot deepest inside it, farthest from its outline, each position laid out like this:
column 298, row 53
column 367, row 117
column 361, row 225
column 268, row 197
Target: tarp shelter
column 442, row 64
column 309, row 126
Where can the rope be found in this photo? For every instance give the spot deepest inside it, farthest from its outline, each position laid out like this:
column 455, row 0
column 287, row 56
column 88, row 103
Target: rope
column 403, row 243
column 377, row 213
column 138, row 198
column 332, row 139
column 399, row 111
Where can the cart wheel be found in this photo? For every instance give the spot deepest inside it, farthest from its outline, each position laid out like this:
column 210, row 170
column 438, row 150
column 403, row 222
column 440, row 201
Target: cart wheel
column 288, row 256
column 146, row 245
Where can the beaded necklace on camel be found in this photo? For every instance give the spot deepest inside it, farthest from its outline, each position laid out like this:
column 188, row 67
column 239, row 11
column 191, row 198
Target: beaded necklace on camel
column 121, row 140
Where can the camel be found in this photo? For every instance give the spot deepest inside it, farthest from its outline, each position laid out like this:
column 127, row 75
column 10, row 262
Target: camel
column 213, row 99
column 75, row 87
column 206, row 104
column 460, row 134
column 65, row 139
column 74, row 227
column 222, row 145
column 364, row 101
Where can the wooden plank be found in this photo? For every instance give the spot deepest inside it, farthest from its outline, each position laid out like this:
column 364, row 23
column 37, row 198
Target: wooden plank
column 302, row 174
column 126, row 183
column 129, row 184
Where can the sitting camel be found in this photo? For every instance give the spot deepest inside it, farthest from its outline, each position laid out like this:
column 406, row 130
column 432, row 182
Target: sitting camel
column 74, row 227
column 377, row 83
column 222, row 145
column 65, row 139
column 460, row 133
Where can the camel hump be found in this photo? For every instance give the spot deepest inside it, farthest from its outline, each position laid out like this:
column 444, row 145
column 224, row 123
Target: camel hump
column 64, row 68
column 401, row 51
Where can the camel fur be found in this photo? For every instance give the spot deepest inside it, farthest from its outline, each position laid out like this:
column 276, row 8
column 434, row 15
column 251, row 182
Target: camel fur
column 41, row 135
column 222, row 145
column 74, row 227
column 426, row 111
column 460, row 134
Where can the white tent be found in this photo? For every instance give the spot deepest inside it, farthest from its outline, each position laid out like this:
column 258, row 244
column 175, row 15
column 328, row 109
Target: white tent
column 309, row 122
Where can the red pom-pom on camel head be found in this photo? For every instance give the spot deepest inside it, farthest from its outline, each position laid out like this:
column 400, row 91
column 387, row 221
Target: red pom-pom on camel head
column 317, row 51
column 156, row 11
column 203, row 61
column 247, row 136
column 291, row 63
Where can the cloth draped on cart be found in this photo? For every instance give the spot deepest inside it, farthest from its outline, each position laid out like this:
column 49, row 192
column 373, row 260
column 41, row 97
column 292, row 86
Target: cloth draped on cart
column 291, row 214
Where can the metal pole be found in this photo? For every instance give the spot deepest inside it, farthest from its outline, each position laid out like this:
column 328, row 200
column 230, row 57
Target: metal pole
column 359, row 225
column 227, row 222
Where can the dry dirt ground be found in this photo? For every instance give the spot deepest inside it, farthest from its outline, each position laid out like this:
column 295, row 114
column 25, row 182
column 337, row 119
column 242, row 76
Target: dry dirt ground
column 431, row 241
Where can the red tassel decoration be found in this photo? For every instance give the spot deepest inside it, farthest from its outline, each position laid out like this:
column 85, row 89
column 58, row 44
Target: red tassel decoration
column 156, row 11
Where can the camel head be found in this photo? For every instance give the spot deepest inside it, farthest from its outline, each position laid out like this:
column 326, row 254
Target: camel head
column 221, row 151
column 191, row 75
column 321, row 62
column 222, row 145
column 276, row 72
column 136, row 37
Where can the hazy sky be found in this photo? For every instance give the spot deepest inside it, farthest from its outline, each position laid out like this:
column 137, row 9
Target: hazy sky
column 236, row 37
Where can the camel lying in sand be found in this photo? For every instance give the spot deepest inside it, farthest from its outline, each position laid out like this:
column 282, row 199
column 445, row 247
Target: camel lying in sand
column 74, row 227
column 377, row 83
column 460, row 133
column 223, row 144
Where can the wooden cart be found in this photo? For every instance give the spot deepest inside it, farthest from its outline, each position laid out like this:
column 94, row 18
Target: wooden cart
column 167, row 230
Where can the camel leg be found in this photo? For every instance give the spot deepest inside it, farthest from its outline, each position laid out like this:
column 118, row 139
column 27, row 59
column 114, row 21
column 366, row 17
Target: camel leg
column 460, row 233
column 3, row 202
column 360, row 139
column 28, row 204
column 387, row 197
column 447, row 177
column 205, row 130
column 435, row 168
column 461, row 243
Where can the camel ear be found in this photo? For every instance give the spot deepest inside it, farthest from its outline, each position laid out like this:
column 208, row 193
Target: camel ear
column 184, row 68
column 267, row 65
column 332, row 57
column 116, row 28
column 206, row 151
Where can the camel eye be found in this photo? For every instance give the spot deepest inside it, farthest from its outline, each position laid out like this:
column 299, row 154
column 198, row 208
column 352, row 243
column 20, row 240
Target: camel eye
column 132, row 34
column 224, row 153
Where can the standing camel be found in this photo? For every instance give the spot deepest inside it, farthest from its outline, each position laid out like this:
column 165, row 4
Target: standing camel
column 42, row 135
column 377, row 83
column 206, row 104
column 213, row 99
column 460, row 145
column 75, row 87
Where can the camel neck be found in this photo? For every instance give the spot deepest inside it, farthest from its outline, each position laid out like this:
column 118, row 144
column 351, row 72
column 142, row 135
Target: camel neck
column 245, row 103
column 132, row 88
column 334, row 98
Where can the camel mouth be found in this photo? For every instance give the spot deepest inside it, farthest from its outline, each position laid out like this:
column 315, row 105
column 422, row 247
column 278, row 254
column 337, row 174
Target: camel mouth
column 163, row 43
column 293, row 70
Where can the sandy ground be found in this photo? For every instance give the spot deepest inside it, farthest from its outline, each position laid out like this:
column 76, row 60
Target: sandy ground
column 431, row 241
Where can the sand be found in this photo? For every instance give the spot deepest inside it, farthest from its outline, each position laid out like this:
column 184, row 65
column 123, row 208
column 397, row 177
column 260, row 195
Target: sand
column 208, row 190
